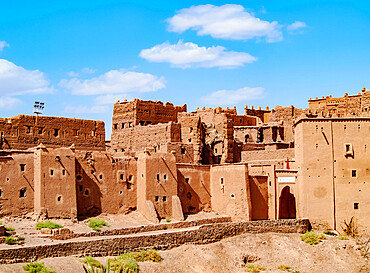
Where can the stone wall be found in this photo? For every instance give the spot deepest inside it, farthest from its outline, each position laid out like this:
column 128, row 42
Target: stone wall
column 22, row 132
column 115, row 246
column 281, row 154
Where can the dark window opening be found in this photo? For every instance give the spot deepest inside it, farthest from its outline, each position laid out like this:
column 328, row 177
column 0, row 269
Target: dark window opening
column 121, row 176
column 23, row 167
column 56, row 132
column 40, row 131
column 269, row 183
column 28, row 129
column 246, row 138
column 348, row 147
column 355, row 205
column 115, row 126
column 122, row 150
column 120, row 192
column 51, row 172
column 354, row 173
column 63, row 172
column 75, row 132
column 130, row 177
column 232, row 195
column 165, row 176
column 158, row 177
column 187, row 180
column 79, row 177
column 1, row 193
column 80, row 188
column 86, row 192
column 157, row 198
column 123, row 125
column 164, row 198
column 59, row 198
column 188, row 195
column 222, row 181
column 22, row 193
column 100, row 176
column 183, row 150
column 189, row 139
column 129, row 186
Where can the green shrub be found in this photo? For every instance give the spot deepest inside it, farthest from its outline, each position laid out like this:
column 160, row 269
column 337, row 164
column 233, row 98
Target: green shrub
column 96, row 224
column 147, row 255
column 283, row 267
column 9, row 229
column 343, row 237
column 37, row 267
column 312, row 238
column 330, row 233
column 168, row 219
column 124, row 263
column 10, row 240
column 255, row 268
column 48, row 224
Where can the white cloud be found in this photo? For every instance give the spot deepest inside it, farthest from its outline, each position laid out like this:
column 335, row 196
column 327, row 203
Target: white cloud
column 226, row 22
column 191, row 55
column 85, row 70
column 230, row 97
column 114, row 82
column 9, row 102
column 15, row 80
column 3, row 44
column 81, row 109
column 297, row 25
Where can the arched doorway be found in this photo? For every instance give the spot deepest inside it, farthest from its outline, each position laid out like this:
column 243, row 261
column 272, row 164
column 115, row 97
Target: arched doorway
column 287, row 204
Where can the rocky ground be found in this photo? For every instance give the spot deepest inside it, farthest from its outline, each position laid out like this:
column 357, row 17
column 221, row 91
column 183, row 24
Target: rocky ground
column 269, row 250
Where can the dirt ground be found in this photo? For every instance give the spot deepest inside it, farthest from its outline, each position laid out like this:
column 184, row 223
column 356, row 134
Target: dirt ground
column 233, row 254
column 26, row 226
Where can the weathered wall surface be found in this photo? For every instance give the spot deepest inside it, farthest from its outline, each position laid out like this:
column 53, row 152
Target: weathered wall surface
column 332, row 157
column 105, row 184
column 22, row 132
column 193, row 182
column 54, row 182
column 16, row 182
column 115, row 246
column 230, row 192
column 281, row 154
column 137, row 138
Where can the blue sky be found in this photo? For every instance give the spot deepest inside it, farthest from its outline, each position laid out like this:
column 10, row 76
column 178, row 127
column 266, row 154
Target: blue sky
column 81, row 56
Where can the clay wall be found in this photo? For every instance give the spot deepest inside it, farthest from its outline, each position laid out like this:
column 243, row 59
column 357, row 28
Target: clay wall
column 259, row 197
column 157, row 174
column 230, row 192
column 333, row 156
column 103, row 247
column 105, row 184
column 281, row 154
column 140, row 137
column 22, row 132
column 138, row 112
column 54, row 182
column 184, row 153
column 193, row 182
column 263, row 115
column 16, row 182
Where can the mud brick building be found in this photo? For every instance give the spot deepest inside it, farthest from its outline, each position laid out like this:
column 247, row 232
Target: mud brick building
column 163, row 161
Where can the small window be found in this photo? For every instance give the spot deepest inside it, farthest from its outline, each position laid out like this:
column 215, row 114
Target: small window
column 86, row 192
column 165, row 176
column 121, row 176
column 222, row 181
column 187, row 179
column 183, row 150
column 40, row 131
column 28, row 129
column 59, row 198
column 7, row 179
column 22, row 193
column 130, row 177
column 164, row 198
column 63, row 172
column 115, row 126
column 23, row 167
column 51, row 172
column 348, row 147
column 232, row 195
column 79, row 177
column 354, row 173
column 189, row 139
column 120, row 192
column 1, row 193
column 75, row 132
column 158, row 176
column 80, row 188
column 56, row 132
column 123, row 125
column 100, row 176
column 122, row 150
column 270, row 183
column 355, row 205
column 129, row 186
column 157, row 198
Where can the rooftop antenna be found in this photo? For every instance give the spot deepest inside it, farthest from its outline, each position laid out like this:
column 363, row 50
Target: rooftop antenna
column 38, row 106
